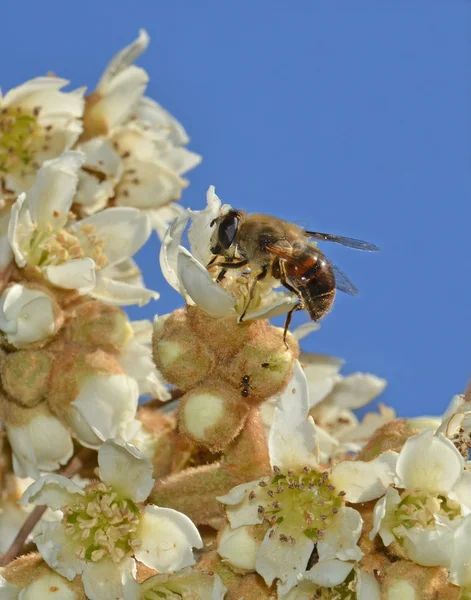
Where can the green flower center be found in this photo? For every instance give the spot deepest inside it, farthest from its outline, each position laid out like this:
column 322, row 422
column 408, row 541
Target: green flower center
column 102, row 524
column 50, row 247
column 21, row 138
column 418, row 508
column 301, row 502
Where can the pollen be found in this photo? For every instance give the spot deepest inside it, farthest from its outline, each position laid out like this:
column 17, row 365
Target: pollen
column 102, row 524
column 297, row 503
column 21, row 139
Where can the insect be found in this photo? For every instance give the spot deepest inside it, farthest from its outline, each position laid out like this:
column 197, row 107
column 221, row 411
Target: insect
column 245, row 385
column 271, row 246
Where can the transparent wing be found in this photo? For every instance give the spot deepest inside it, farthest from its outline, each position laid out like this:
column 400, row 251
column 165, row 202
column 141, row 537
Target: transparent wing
column 345, row 241
column 343, row 283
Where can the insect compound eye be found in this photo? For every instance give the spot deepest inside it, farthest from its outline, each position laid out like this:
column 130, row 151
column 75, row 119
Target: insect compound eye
column 227, row 230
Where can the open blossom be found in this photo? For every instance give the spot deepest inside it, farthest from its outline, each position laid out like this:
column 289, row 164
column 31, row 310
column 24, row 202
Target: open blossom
column 276, row 522
column 134, row 148
column 38, row 122
column 186, row 272
column 424, row 495
column 75, row 255
column 106, row 526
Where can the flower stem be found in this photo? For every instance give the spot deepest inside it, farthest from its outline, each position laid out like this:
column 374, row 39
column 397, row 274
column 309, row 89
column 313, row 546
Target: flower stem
column 74, row 466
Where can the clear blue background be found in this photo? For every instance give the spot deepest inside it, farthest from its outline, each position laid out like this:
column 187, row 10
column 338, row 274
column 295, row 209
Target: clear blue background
column 348, row 117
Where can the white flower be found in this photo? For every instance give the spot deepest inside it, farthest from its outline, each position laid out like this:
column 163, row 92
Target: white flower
column 333, row 579
column 26, row 315
column 186, row 584
column 429, row 497
column 75, row 255
column 299, row 504
column 136, row 361
column 37, row 122
column 460, row 564
column 134, row 148
column 456, row 423
column 105, row 526
column 187, row 274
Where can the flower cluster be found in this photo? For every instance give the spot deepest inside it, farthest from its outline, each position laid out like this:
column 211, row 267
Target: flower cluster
column 247, row 474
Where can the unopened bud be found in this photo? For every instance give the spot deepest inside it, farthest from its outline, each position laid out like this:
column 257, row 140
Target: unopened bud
column 25, row 375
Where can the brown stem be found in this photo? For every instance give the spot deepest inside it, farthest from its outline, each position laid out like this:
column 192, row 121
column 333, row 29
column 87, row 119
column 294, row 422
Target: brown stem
column 175, row 394
column 74, row 466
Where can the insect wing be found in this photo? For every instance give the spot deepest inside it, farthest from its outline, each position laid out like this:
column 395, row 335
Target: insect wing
column 345, row 241
column 343, row 283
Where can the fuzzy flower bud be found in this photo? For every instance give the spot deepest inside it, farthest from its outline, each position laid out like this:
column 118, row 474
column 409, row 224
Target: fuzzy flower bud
column 25, row 375
column 404, row 580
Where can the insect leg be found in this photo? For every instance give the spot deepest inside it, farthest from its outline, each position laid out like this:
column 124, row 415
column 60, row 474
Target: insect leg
column 289, row 316
column 257, row 278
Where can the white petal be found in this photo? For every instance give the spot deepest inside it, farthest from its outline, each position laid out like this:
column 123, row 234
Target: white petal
column 327, row 445
column 462, row 490
column 32, row 448
column 431, row 547
column 58, row 549
column 6, row 253
column 123, row 59
column 26, row 315
column 201, row 230
column 179, row 160
column 428, row 462
column 305, row 329
column 44, row 91
column 8, row 591
column 460, row 564
column 136, row 361
column 148, row 110
column 123, row 231
column 341, row 537
column 273, row 305
column 126, row 469
column 322, row 374
column 239, row 509
column 329, row 573
column 168, row 537
column 82, row 430
column 364, row 481
column 12, row 518
column 283, row 560
column 49, row 587
column 354, row 391
column 383, row 510
column 20, row 229
column 200, row 287
column 238, row 546
column 292, row 441
column 53, row 490
column 367, row 588
column 120, row 293
column 107, row 403
column 105, row 580
column 78, row 274
column 169, row 251
column 50, row 198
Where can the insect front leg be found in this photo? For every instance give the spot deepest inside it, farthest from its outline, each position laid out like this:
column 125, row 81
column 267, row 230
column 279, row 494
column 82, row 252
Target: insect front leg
column 257, row 278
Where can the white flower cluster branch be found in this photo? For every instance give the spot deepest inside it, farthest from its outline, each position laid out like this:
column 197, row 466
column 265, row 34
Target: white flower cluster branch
column 247, row 474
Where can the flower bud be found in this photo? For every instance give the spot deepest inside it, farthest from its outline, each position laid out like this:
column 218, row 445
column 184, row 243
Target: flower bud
column 100, row 325
column 392, row 436
column 179, row 354
column 405, row 580
column 28, row 315
column 212, row 414
column 25, row 375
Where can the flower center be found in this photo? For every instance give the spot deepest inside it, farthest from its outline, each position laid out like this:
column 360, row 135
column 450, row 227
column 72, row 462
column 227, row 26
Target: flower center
column 102, row 524
column 301, row 502
column 21, row 138
column 50, row 247
column 420, row 508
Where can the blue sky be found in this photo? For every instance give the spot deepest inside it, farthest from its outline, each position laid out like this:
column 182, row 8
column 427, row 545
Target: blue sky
column 347, row 117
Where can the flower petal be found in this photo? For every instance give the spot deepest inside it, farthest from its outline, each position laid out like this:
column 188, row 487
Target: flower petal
column 122, row 230
column 367, row 588
column 238, row 546
column 121, row 293
column 123, row 59
column 364, row 481
column 52, row 490
column 32, row 448
column 49, row 587
column 168, row 537
column 202, row 226
column 429, row 462
column 107, row 403
column 281, row 560
column 8, row 591
column 239, row 509
column 462, row 490
column 105, row 580
column 292, row 440
column 329, row 573
column 341, row 537
column 431, row 547
column 169, row 251
column 354, row 391
column 460, row 566
column 126, row 469
column 200, row 287
column 20, row 229
column 322, row 374
column 274, row 305
column 78, row 274
column 58, row 549
column 381, row 512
